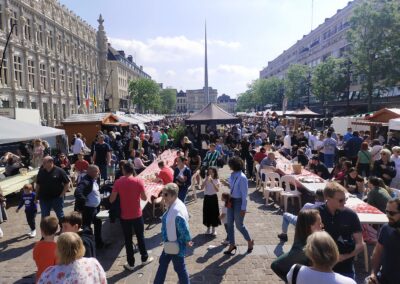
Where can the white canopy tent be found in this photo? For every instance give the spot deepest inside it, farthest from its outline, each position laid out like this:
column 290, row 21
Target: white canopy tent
column 16, row 131
column 394, row 124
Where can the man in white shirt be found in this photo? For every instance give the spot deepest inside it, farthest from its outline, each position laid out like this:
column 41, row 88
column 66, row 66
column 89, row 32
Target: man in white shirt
column 287, row 143
column 313, row 139
column 78, row 146
column 156, row 139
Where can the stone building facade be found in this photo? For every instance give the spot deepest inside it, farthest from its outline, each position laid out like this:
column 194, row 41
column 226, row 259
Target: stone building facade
column 53, row 58
column 226, row 103
column 122, row 69
column 196, row 100
column 181, row 105
column 328, row 39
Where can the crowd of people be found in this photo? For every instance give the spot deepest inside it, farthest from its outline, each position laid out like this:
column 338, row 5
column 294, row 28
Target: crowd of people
column 328, row 235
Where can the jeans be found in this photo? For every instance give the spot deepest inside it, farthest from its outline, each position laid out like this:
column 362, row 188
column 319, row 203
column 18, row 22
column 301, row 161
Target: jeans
column 364, row 169
column 30, row 218
column 288, row 219
column 351, row 275
column 226, row 230
column 234, row 218
column 182, row 193
column 57, row 204
column 89, row 217
column 179, row 267
column 103, row 171
column 328, row 160
column 138, row 227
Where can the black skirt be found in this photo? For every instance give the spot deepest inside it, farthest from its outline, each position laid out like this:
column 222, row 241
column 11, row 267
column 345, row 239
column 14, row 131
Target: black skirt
column 211, row 211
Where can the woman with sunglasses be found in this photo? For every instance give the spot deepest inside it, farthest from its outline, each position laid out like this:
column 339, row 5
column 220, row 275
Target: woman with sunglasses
column 175, row 234
column 385, row 168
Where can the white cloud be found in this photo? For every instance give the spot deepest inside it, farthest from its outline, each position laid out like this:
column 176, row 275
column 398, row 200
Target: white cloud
column 240, row 70
column 170, row 73
column 168, row 49
column 152, row 72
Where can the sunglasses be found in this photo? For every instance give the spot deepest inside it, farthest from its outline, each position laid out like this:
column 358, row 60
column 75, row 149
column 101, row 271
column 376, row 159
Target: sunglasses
column 392, row 213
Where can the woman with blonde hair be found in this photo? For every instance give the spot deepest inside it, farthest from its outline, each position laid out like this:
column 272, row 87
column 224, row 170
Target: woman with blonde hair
column 323, row 253
column 72, row 266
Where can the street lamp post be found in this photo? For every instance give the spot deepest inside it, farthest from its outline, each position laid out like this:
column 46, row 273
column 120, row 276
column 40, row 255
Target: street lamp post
column 5, row 47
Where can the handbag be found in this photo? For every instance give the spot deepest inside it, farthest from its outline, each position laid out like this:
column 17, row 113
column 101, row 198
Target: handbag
column 171, row 248
column 295, row 273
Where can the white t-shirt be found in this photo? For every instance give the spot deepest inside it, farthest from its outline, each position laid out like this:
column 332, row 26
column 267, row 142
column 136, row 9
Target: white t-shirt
column 156, row 137
column 78, row 146
column 309, row 276
column 397, row 164
column 209, row 188
column 287, row 142
column 376, row 152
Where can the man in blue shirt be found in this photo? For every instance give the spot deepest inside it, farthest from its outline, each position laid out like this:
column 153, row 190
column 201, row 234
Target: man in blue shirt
column 348, row 135
column 353, row 146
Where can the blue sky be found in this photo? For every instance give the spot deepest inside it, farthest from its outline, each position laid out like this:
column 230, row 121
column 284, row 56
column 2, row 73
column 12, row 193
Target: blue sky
column 167, row 36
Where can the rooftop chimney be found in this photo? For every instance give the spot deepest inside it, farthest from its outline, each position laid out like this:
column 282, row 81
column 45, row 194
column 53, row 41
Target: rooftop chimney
column 130, row 58
column 122, row 53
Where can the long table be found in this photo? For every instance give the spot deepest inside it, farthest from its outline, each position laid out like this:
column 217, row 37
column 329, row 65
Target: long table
column 152, row 189
column 15, row 183
column 311, row 182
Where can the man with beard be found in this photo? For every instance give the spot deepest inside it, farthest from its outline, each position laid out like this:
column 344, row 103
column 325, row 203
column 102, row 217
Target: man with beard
column 386, row 256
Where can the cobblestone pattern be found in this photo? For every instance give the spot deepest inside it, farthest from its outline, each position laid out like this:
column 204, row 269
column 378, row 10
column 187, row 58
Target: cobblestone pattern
column 205, row 262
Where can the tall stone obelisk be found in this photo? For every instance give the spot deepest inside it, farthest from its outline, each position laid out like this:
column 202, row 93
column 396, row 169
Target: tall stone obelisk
column 206, row 89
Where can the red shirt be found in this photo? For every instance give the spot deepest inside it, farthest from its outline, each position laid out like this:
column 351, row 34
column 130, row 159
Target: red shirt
column 259, row 156
column 81, row 166
column 166, row 175
column 129, row 190
column 44, row 254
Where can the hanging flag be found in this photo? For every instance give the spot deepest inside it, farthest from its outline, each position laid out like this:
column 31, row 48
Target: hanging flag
column 78, row 99
column 87, row 96
column 94, row 96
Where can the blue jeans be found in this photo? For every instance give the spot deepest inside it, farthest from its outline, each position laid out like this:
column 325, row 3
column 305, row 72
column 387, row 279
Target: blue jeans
column 103, row 171
column 182, row 193
column 57, row 204
column 234, row 218
column 351, row 275
column 288, row 219
column 179, row 267
column 328, row 160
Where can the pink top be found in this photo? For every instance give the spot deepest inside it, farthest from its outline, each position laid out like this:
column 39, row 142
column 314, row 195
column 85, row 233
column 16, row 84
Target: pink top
column 129, row 190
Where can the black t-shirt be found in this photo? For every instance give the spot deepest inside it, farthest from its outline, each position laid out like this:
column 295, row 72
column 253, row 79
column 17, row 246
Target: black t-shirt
column 389, row 238
column 101, row 153
column 321, row 170
column 341, row 228
column 51, row 183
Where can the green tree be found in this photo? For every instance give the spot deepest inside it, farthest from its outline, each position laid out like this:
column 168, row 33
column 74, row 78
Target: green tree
column 145, row 93
column 246, row 100
column 168, row 100
column 374, row 43
column 268, row 91
column 329, row 79
column 296, row 82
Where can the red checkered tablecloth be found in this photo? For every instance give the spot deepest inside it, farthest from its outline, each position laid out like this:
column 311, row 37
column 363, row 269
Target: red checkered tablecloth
column 153, row 188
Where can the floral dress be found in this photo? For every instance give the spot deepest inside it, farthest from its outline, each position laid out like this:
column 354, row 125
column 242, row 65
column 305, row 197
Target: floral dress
column 83, row 270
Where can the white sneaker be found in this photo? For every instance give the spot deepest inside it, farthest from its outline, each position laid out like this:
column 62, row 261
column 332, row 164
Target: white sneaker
column 149, row 259
column 208, row 231
column 128, row 267
column 225, row 242
column 213, row 232
column 32, row 234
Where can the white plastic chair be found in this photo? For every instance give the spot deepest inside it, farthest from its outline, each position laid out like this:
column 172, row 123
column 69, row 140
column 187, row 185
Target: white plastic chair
column 265, row 171
column 256, row 169
column 288, row 192
column 274, row 186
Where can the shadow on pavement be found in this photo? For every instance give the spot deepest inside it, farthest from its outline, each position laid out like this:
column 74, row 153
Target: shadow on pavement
column 215, row 271
column 15, row 252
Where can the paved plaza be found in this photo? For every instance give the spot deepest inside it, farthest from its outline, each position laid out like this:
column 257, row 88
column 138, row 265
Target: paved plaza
column 205, row 261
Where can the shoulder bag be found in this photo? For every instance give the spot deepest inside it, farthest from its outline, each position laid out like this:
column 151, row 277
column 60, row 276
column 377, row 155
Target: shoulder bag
column 295, row 273
column 171, row 248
